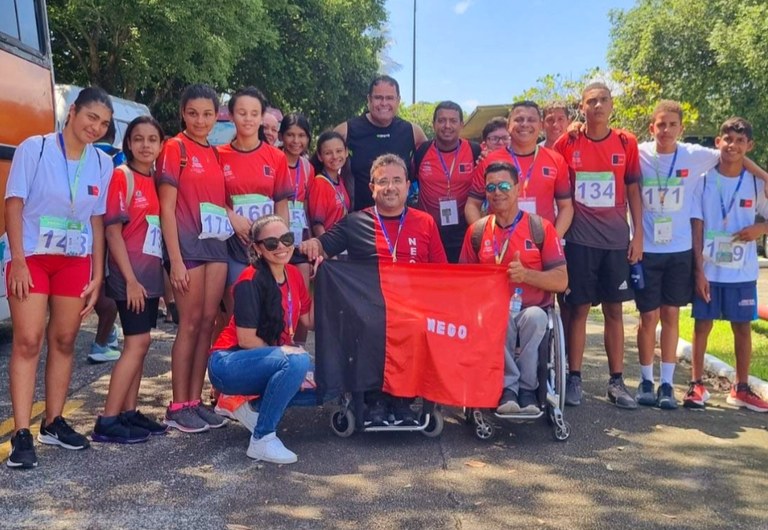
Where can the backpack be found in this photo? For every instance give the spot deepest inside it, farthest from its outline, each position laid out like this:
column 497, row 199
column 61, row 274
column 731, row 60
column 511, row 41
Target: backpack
column 534, row 225
column 183, row 153
column 129, row 182
column 40, row 157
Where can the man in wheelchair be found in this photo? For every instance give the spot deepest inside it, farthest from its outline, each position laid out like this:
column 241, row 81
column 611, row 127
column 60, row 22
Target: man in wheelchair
column 529, row 247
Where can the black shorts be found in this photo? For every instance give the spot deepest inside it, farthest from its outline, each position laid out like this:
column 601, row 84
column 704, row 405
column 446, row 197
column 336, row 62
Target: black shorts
column 668, row 280
column 596, row 275
column 138, row 323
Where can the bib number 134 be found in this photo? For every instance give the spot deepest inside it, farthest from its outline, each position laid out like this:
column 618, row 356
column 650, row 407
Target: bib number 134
column 596, row 190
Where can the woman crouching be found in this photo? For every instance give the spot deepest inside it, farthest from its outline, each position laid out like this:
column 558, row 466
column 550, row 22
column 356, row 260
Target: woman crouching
column 255, row 353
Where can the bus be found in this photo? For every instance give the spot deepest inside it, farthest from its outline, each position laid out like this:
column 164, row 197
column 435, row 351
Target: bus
column 26, row 91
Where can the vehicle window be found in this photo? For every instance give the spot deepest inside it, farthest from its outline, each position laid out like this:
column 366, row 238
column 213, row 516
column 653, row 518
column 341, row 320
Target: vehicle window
column 22, row 24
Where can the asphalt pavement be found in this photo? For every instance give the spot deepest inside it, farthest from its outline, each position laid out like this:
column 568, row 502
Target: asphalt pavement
column 619, row 469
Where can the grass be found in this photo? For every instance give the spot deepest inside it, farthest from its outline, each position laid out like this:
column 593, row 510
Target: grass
column 720, row 343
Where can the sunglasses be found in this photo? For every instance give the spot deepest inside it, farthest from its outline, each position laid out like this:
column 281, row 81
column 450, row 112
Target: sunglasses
column 271, row 243
column 503, row 187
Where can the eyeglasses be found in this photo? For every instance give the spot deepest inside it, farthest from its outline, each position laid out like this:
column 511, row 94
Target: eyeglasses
column 271, row 243
column 503, row 187
column 498, row 139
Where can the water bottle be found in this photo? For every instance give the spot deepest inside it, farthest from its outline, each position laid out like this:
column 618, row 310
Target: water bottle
column 636, row 276
column 516, row 302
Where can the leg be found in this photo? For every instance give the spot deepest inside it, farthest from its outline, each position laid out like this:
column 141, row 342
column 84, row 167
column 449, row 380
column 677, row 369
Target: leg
column 532, row 326
column 125, row 373
column 670, row 333
column 190, row 307
column 62, row 331
column 613, row 336
column 282, row 386
column 106, row 310
column 511, row 370
column 28, row 319
column 646, row 336
column 742, row 342
column 577, row 336
column 701, row 330
column 215, row 277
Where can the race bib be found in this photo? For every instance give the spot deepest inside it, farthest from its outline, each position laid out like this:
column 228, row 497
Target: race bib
column 153, row 239
column 214, row 222
column 298, row 220
column 596, row 189
column 253, row 206
column 449, row 212
column 60, row 236
column 657, row 201
column 720, row 249
column 662, row 230
column 527, row 205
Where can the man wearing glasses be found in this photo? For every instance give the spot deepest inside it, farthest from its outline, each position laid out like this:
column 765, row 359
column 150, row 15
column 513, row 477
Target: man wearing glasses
column 543, row 173
column 375, row 133
column 529, row 246
column 390, row 232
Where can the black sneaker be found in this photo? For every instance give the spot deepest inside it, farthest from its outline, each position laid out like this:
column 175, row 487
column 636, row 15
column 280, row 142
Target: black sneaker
column 22, row 451
column 646, row 393
column 529, row 404
column 137, row 419
column 618, row 394
column 666, row 399
column 58, row 432
column 377, row 415
column 118, row 431
column 508, row 403
column 404, row 414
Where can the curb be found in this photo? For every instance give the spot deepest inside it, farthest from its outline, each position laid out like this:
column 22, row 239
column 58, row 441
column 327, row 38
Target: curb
column 716, row 367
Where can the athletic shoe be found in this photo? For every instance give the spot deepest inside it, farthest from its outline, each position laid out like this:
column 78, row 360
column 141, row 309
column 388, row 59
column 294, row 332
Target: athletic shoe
column 58, row 432
column 404, row 414
column 646, row 393
column 377, row 415
column 742, row 396
column 246, row 416
column 665, row 397
column 696, row 397
column 207, row 414
column 269, row 448
column 186, row 420
column 112, row 338
column 226, row 404
column 102, row 354
column 573, row 391
column 137, row 419
column 618, row 394
column 528, row 402
column 119, row 431
column 508, row 403
column 22, row 451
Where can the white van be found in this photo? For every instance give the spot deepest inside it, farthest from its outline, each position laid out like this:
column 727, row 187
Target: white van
column 125, row 110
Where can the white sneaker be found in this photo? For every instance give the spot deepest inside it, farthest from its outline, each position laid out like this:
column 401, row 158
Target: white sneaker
column 246, row 416
column 270, row 449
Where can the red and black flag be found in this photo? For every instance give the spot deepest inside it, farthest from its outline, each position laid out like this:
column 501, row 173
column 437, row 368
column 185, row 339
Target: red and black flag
column 429, row 330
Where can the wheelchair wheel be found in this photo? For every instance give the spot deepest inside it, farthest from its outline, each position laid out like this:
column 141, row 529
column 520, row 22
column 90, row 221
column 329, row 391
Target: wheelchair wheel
column 559, row 361
column 343, row 423
column 435, row 425
column 484, row 430
column 562, row 432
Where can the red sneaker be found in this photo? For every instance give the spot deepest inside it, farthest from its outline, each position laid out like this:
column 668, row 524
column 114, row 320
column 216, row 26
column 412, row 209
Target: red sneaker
column 696, row 397
column 744, row 397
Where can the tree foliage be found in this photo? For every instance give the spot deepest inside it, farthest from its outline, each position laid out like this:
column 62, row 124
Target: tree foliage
column 420, row 113
column 711, row 53
column 317, row 56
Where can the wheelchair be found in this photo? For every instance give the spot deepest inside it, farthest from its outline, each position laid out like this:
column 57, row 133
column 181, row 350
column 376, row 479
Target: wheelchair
column 348, row 418
column 550, row 394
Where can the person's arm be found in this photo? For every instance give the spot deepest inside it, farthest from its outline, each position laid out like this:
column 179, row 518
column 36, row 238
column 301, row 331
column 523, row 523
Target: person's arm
column 92, row 290
column 179, row 276
column 751, row 166
column 281, row 209
column 418, row 135
column 312, row 248
column 554, row 280
column 635, row 252
column 702, row 284
column 473, row 210
column 20, row 280
column 564, row 216
column 248, row 339
column 240, row 224
column 135, row 292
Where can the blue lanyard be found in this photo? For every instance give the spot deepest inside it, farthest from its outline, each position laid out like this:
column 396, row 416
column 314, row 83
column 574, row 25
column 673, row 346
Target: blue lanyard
column 499, row 254
column 725, row 211
column 392, row 248
column 520, row 171
column 72, row 184
column 449, row 173
column 339, row 194
column 663, row 190
column 298, row 176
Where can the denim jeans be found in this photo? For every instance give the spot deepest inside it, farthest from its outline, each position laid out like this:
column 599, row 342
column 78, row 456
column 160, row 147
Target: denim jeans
column 268, row 372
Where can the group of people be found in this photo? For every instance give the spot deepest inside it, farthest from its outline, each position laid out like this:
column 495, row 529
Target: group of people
column 238, row 229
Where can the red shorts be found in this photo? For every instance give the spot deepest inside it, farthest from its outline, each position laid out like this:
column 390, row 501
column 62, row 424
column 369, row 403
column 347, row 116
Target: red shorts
column 56, row 275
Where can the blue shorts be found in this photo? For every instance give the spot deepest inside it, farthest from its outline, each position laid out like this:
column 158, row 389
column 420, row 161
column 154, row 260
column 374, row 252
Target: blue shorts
column 733, row 302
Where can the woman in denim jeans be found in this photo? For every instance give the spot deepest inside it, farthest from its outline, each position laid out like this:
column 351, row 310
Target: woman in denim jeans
column 255, row 353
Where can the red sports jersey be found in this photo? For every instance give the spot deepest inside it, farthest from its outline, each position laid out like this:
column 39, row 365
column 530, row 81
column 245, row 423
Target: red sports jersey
column 301, row 177
column 300, row 304
column 445, row 174
column 261, row 171
column 361, row 234
column 144, row 246
column 548, row 181
column 492, row 245
column 328, row 202
column 201, row 181
column 600, row 171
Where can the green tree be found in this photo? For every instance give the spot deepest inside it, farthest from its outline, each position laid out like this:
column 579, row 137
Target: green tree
column 711, row 53
column 421, row 114
column 323, row 59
